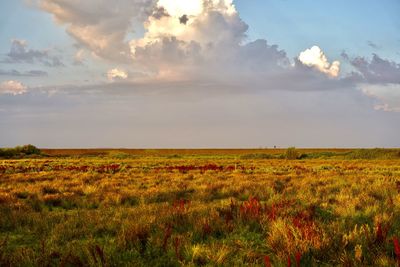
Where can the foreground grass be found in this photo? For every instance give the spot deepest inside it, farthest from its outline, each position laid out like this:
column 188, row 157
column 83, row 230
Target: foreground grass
column 120, row 210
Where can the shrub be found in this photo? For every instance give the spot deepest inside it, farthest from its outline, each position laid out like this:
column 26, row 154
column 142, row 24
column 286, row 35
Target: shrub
column 29, row 150
column 19, row 151
column 291, row 153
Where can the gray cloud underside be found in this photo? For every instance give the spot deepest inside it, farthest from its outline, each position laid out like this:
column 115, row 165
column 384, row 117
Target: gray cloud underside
column 19, row 53
column 16, row 73
column 373, row 45
column 375, row 70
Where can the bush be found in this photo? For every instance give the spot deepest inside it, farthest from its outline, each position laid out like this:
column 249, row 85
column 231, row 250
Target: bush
column 291, row 153
column 29, row 150
column 318, row 155
column 376, row 153
column 19, row 151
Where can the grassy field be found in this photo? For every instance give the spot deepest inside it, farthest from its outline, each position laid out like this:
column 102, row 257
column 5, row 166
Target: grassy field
column 201, row 208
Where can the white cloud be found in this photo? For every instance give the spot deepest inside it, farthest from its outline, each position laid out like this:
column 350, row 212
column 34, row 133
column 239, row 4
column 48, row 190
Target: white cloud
column 13, row 88
column 315, row 57
column 189, row 41
column 116, row 74
column 207, row 23
column 202, row 42
column 197, row 40
column 181, row 7
column 100, row 25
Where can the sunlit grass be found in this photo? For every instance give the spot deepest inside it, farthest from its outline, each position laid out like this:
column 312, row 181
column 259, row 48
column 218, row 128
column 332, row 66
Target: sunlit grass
column 340, row 208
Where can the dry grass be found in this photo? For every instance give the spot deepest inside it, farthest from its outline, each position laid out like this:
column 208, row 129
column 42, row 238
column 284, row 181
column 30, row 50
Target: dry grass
column 173, row 208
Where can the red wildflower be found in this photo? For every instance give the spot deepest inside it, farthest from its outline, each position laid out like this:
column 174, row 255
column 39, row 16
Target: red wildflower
column 298, row 259
column 177, row 246
column 267, row 261
column 396, row 248
column 379, row 233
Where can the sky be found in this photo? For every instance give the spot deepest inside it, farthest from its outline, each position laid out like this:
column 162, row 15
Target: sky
column 199, row 73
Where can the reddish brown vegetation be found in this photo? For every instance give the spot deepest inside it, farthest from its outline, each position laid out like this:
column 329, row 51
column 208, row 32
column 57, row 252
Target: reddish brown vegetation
column 267, row 261
column 251, row 209
column 397, row 249
column 203, row 168
column 167, row 235
column 111, row 168
column 381, row 233
column 298, row 259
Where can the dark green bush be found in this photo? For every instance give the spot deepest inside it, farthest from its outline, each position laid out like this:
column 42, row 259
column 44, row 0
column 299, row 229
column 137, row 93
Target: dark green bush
column 29, row 150
column 19, row 151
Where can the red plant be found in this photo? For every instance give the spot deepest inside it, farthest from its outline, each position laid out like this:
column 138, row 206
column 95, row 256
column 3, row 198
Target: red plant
column 396, row 249
column 203, row 168
column 272, row 213
column 276, row 208
column 381, row 233
column 289, row 261
column 100, row 252
column 298, row 259
column 206, row 229
column 267, row 261
column 306, row 226
column 251, row 209
column 177, row 245
column 167, row 235
column 181, row 205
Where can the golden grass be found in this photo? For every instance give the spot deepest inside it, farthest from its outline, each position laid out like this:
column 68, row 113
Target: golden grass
column 209, row 207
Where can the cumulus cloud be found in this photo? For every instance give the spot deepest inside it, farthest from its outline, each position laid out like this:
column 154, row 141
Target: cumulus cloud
column 209, row 45
column 13, row 88
column 100, row 25
column 180, row 27
column 116, row 75
column 198, row 40
column 207, row 23
column 19, row 53
column 316, row 58
column 201, row 42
